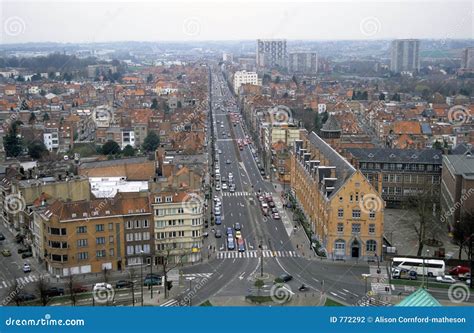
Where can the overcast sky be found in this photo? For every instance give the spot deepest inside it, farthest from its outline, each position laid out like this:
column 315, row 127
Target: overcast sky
column 87, row 21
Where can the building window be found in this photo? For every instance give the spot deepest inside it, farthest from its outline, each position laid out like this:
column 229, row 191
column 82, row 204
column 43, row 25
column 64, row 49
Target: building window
column 81, row 230
column 129, row 237
column 356, row 213
column 111, row 252
column 138, row 236
column 82, row 255
column 100, row 240
column 340, row 199
column 371, row 228
column 81, row 242
column 372, row 215
column 145, row 224
column 351, row 198
column 340, row 213
column 130, row 250
column 340, row 227
column 169, row 199
column 157, row 199
column 355, row 228
column 100, row 253
column 371, row 245
column 111, row 239
column 99, row 227
column 111, row 226
column 146, row 236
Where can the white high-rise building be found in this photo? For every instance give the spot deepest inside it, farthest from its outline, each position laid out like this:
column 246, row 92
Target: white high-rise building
column 244, row 77
column 303, row 62
column 468, row 58
column 405, row 55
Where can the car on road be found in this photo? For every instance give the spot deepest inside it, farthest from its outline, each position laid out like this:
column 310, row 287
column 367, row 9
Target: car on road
column 237, row 226
column 218, row 234
column 276, row 216
column 24, row 297
column 224, row 186
column 222, row 126
column 241, row 245
column 26, row 255
column 218, row 187
column 262, row 173
column 229, row 231
column 217, row 210
column 26, row 268
column 123, row 284
column 232, row 188
column 285, row 277
column 404, row 274
column 19, row 238
column 2, row 236
column 102, row 286
column 6, row 253
column 219, row 151
column 238, row 234
column 152, row 281
column 54, row 291
column 205, row 234
column 227, row 162
column 459, row 270
column 445, row 279
column 274, row 210
column 230, row 244
column 218, row 220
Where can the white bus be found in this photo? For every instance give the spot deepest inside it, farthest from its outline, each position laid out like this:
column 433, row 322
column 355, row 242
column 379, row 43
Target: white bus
column 430, row 267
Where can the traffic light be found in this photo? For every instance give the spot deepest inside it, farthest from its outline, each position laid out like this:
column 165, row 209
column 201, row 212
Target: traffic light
column 169, row 285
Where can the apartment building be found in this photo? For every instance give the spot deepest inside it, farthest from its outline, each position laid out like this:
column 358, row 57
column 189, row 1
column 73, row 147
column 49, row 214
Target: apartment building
column 457, row 186
column 344, row 210
column 178, row 226
column 468, row 58
column 399, row 174
column 303, row 62
column 271, row 53
column 244, row 77
column 405, row 55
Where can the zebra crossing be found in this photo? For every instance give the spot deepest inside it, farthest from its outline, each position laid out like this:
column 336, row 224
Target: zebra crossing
column 21, row 281
column 256, row 254
column 171, row 302
column 198, row 275
column 236, row 194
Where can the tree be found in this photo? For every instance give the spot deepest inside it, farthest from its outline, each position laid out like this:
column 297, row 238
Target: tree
column 45, row 116
column 424, row 203
column 396, row 97
column 463, row 231
column 154, row 104
column 71, row 288
column 128, row 151
column 317, row 123
column 165, row 256
column 381, row 97
column 179, row 104
column 110, row 148
column 41, row 288
column 11, row 142
column 259, row 285
column 32, row 118
column 37, row 149
column 151, row 142
column 149, row 78
column 437, row 145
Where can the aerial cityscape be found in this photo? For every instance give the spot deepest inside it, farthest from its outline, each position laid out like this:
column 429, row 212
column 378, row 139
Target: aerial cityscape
column 251, row 166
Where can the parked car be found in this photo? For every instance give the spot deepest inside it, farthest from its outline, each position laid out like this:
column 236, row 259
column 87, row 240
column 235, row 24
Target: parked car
column 102, row 286
column 229, row 231
column 227, row 162
column 224, row 186
column 26, row 268
column 2, row 236
column 152, row 282
column 285, row 277
column 26, row 255
column 218, row 220
column 79, row 289
column 19, row 238
column 24, row 249
column 123, row 284
column 230, row 243
column 153, row 275
column 205, row 234
column 238, row 234
column 218, row 234
column 6, row 253
column 458, row 270
column 24, row 297
column 276, row 216
column 54, row 291
column 464, row 277
column 404, row 274
column 237, row 226
column 445, row 279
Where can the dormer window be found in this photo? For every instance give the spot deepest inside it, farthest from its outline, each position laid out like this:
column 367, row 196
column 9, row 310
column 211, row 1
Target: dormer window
column 371, row 155
column 157, row 199
column 107, row 212
column 169, row 199
column 84, row 214
column 73, row 215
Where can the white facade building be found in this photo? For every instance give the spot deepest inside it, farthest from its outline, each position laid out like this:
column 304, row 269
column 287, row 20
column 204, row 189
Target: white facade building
column 51, row 140
column 244, row 77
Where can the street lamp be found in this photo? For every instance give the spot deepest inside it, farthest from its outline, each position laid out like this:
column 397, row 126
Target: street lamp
column 366, row 277
column 190, row 279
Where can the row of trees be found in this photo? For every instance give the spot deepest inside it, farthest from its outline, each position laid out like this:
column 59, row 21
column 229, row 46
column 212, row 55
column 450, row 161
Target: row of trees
column 15, row 146
column 151, row 142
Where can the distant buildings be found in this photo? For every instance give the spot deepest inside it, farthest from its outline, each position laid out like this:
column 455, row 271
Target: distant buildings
column 303, row 62
column 271, row 53
column 227, row 57
column 244, row 77
column 468, row 58
column 405, row 55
